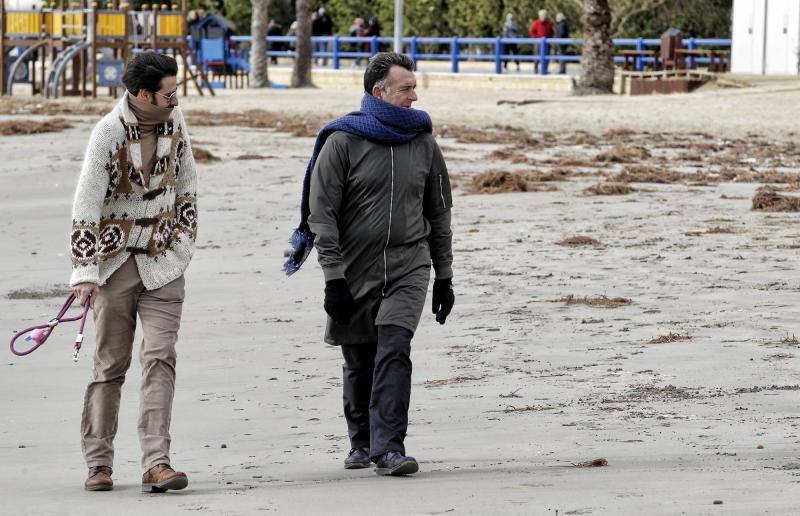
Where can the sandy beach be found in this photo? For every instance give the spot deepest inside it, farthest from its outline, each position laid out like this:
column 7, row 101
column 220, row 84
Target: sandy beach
column 662, row 340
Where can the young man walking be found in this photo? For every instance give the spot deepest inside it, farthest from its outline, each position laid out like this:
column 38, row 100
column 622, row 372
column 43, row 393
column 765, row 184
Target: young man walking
column 376, row 204
column 133, row 232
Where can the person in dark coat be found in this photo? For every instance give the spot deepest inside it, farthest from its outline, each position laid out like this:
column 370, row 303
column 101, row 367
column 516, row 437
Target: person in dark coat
column 378, row 213
column 511, row 30
column 322, row 25
column 275, row 30
column 562, row 31
column 373, row 29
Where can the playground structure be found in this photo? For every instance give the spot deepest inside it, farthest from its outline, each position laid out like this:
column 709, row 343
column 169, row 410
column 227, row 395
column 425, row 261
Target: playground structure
column 56, row 49
column 227, row 66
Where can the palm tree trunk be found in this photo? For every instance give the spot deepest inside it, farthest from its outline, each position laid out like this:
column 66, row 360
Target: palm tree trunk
column 258, row 51
column 301, row 73
column 597, row 65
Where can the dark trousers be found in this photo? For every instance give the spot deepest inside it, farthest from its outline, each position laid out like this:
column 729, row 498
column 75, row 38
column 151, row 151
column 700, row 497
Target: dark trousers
column 377, row 391
column 562, row 50
column 511, row 48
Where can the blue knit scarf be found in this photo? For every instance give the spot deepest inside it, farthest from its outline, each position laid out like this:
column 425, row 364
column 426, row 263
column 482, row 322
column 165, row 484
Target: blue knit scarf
column 377, row 121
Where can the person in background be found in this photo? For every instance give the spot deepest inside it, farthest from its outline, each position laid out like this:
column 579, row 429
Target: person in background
column 292, row 32
column 275, row 46
column 373, row 29
column 322, row 26
column 511, row 30
column 562, row 31
column 315, row 28
column 356, row 31
column 542, row 27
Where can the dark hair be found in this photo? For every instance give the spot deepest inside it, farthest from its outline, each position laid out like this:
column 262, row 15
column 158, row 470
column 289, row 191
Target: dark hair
column 379, row 65
column 145, row 71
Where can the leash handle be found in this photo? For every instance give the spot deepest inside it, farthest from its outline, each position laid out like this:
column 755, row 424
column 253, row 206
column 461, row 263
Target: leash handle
column 41, row 332
column 79, row 339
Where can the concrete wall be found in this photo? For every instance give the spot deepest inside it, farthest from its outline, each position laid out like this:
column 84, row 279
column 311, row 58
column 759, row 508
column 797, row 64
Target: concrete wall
column 766, row 36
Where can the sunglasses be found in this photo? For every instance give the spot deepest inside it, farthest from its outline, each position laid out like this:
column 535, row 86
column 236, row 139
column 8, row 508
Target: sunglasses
column 169, row 98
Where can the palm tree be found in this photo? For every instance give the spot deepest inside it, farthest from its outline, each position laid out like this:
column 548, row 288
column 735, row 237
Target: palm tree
column 258, row 52
column 597, row 65
column 301, row 73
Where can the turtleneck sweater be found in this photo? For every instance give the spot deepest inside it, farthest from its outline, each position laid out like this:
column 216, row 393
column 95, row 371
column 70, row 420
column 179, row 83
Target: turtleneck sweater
column 149, row 116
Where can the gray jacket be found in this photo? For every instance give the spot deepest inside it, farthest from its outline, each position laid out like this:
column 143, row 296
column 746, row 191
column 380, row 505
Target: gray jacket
column 381, row 215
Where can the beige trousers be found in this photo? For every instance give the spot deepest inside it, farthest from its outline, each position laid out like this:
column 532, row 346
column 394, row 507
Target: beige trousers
column 116, row 306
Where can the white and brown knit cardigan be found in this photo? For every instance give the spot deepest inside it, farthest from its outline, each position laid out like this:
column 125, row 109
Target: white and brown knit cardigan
column 115, row 215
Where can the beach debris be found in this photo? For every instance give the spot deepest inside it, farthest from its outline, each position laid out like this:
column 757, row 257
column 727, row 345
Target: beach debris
column 644, row 174
column 768, row 199
column 528, row 408
column 452, row 381
column 25, row 127
column 39, row 292
column 609, row 188
column 507, row 182
column 669, row 337
column 594, row 301
column 623, row 154
column 578, row 240
column 201, row 155
column 716, row 230
column 593, row 463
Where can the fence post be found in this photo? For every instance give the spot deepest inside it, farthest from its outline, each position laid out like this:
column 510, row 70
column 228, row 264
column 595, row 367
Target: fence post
column 640, row 59
column 336, row 52
column 544, row 61
column 414, row 51
column 454, row 55
column 691, row 45
column 498, row 52
column 373, row 46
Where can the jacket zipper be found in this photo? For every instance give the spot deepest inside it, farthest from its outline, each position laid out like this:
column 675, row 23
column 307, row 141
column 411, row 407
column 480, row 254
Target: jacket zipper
column 441, row 192
column 389, row 231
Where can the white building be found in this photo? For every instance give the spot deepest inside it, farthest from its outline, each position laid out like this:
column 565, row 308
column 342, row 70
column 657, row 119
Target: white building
column 766, row 37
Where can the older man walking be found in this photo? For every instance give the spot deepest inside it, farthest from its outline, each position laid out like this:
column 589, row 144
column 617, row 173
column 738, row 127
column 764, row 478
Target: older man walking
column 133, row 233
column 541, row 27
column 376, row 204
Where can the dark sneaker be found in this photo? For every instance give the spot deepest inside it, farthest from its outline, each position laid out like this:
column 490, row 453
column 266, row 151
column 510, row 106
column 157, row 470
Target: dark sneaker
column 358, row 458
column 161, row 478
column 396, row 464
column 99, row 479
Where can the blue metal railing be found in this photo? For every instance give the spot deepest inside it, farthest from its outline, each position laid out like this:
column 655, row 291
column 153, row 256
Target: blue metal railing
column 458, row 50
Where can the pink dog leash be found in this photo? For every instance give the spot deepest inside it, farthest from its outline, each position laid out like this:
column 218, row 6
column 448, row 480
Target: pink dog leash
column 41, row 332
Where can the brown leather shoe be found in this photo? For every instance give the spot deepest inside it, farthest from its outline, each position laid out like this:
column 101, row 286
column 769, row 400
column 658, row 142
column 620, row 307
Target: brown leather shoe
column 161, row 477
column 99, row 479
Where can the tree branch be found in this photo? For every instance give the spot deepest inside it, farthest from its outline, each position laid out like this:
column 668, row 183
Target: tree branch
column 619, row 23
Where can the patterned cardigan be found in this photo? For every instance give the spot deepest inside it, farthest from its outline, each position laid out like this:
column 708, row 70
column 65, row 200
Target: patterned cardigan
column 115, row 216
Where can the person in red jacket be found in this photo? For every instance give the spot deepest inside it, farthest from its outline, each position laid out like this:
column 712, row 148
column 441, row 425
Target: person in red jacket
column 542, row 27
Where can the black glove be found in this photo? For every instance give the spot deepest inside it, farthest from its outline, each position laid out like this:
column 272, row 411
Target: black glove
column 443, row 299
column 339, row 301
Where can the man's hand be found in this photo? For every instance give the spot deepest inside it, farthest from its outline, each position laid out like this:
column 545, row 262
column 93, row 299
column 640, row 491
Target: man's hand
column 86, row 290
column 443, row 299
column 339, row 301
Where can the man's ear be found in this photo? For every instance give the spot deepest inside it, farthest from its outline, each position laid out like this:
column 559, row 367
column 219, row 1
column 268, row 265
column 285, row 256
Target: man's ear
column 143, row 95
column 377, row 92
